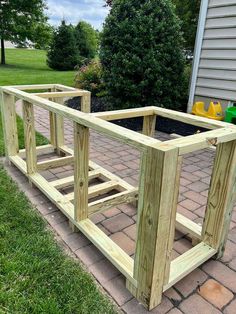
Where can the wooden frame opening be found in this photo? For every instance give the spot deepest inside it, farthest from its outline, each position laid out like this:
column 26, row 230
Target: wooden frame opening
column 152, row 271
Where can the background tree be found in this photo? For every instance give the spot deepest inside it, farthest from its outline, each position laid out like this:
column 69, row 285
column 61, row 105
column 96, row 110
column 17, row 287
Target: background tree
column 19, row 20
column 86, row 40
column 141, row 54
column 188, row 12
column 62, row 53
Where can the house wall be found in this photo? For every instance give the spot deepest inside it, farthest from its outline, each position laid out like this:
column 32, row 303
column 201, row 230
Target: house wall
column 215, row 77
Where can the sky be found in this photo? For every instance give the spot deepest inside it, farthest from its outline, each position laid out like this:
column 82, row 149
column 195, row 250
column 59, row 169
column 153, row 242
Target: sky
column 92, row 11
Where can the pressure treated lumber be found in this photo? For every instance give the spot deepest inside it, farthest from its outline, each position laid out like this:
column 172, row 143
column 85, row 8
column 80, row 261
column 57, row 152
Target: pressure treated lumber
column 40, row 150
column 62, row 94
column 96, row 190
column 156, row 193
column 187, row 262
column 173, row 218
column 69, row 181
column 203, row 140
column 112, row 201
column 123, row 262
column 149, row 124
column 29, row 136
column 189, row 118
column 124, row 114
column 9, row 124
column 54, row 163
column 81, row 169
column 222, row 197
column 122, row 134
column 152, row 271
column 59, row 127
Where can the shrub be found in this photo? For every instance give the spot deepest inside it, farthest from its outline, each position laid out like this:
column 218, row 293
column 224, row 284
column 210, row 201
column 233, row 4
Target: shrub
column 89, row 77
column 62, row 53
column 86, row 40
column 141, row 54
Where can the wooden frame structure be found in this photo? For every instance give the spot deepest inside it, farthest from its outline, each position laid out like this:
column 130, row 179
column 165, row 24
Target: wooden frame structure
column 152, row 271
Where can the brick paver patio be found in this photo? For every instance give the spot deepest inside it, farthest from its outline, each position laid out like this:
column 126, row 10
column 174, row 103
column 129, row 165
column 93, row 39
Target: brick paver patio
column 209, row 289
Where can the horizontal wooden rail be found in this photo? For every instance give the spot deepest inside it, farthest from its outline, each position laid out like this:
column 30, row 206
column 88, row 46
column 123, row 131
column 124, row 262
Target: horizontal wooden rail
column 69, row 181
column 98, row 189
column 190, row 119
column 187, row 226
column 123, row 262
column 55, row 163
column 122, row 134
column 40, row 150
column 111, row 201
column 124, row 114
column 62, row 94
column 187, row 262
column 203, row 140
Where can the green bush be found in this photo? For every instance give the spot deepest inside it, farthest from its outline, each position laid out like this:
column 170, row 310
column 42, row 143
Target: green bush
column 62, row 54
column 86, row 40
column 141, row 54
column 89, row 77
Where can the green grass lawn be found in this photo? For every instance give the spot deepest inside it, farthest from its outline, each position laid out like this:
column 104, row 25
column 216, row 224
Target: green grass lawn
column 29, row 67
column 35, row 274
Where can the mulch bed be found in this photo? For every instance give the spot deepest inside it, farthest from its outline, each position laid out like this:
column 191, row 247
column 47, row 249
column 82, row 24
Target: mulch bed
column 163, row 124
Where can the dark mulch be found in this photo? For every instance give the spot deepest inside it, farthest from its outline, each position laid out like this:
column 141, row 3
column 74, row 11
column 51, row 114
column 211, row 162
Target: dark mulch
column 163, row 124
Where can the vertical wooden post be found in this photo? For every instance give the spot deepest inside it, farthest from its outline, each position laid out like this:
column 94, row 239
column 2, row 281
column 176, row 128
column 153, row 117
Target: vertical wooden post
column 173, row 219
column 9, row 124
column 81, row 155
column 221, row 197
column 29, row 135
column 149, row 125
column 59, row 128
column 86, row 102
column 155, row 220
column 52, row 123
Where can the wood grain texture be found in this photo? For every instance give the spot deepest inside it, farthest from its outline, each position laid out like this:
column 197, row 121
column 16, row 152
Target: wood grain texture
column 29, row 136
column 9, row 124
column 81, row 164
column 221, row 197
column 149, row 125
column 86, row 102
column 156, row 194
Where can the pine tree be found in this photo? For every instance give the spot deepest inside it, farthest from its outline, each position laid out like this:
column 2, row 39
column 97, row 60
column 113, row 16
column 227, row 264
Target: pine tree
column 86, row 40
column 62, row 54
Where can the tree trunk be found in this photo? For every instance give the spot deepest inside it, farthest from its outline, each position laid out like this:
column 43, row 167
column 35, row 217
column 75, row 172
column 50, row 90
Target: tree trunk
column 3, row 58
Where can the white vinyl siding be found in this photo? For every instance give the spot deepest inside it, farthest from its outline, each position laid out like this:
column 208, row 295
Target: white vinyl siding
column 216, row 76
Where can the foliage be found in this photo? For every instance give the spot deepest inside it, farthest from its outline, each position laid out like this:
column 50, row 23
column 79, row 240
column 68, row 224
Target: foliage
column 141, row 54
column 36, row 276
column 62, row 53
column 28, row 66
column 86, row 40
column 89, row 77
column 22, row 20
column 188, row 12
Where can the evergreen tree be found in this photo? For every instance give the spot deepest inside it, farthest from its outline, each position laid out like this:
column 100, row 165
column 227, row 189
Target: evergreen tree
column 188, row 12
column 62, row 53
column 86, row 40
column 141, row 54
